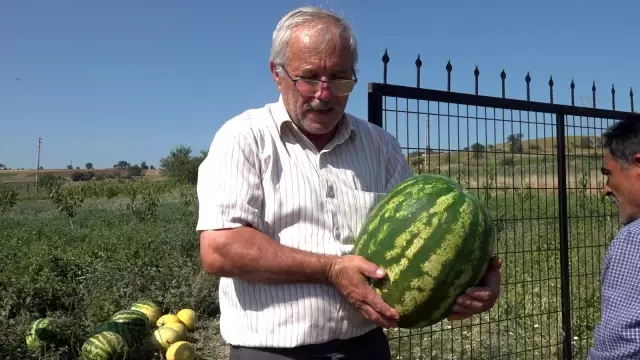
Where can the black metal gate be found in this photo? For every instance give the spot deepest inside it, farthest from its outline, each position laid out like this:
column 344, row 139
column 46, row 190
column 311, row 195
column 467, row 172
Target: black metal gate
column 537, row 167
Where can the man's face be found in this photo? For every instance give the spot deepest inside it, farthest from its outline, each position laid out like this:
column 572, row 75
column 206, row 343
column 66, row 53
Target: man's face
column 314, row 58
column 623, row 185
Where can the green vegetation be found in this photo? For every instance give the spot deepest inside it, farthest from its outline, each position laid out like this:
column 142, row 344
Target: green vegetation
column 79, row 251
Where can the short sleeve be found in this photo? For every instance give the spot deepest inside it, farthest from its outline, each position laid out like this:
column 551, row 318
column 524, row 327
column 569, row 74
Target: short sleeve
column 229, row 187
column 398, row 168
column 617, row 335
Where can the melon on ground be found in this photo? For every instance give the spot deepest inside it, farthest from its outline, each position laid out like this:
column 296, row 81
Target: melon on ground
column 434, row 239
column 149, row 308
column 128, row 333
column 179, row 327
column 163, row 337
column 166, row 319
column 189, row 318
column 106, row 345
column 181, row 350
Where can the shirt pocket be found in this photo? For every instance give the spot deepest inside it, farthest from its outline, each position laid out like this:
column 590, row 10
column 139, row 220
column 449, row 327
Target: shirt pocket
column 354, row 207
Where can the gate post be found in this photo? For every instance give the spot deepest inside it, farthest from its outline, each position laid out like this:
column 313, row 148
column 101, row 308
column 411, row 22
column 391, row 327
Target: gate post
column 563, row 219
column 374, row 103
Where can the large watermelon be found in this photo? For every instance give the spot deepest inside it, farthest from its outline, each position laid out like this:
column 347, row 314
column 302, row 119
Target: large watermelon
column 45, row 332
column 149, row 308
column 106, row 345
column 434, row 239
column 126, row 332
column 136, row 320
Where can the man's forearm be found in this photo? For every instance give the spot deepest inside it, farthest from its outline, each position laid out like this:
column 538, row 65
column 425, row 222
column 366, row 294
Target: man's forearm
column 248, row 254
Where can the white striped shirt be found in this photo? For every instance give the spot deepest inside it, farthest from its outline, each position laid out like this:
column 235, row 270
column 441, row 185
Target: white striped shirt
column 262, row 171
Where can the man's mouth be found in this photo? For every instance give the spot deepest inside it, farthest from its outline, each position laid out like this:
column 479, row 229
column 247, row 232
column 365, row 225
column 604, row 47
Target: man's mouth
column 321, row 111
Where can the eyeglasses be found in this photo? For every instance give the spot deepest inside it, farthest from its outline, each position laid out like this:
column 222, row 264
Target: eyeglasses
column 310, row 87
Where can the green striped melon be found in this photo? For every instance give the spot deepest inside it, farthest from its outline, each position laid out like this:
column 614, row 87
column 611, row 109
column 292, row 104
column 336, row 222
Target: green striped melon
column 45, row 329
column 128, row 333
column 434, row 239
column 44, row 332
column 149, row 308
column 106, row 345
column 135, row 319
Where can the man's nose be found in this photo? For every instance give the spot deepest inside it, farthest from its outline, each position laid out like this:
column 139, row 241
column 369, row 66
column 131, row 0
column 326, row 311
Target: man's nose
column 324, row 93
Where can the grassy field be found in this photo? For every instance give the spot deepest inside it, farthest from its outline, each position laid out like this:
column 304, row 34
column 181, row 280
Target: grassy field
column 96, row 248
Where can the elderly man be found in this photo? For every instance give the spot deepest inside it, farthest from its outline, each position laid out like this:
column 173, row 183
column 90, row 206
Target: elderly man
column 283, row 192
column 617, row 336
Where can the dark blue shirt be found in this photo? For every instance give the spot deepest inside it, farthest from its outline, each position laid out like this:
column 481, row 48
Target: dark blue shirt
column 617, row 336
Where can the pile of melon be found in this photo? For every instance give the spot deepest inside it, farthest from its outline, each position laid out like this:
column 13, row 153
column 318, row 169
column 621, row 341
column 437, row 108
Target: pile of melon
column 143, row 323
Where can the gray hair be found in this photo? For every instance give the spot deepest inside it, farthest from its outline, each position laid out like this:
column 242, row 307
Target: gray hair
column 303, row 16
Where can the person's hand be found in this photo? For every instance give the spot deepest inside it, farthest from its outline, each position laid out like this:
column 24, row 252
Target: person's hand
column 479, row 299
column 349, row 275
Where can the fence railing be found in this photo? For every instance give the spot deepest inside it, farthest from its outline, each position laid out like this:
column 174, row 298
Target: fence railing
column 537, row 166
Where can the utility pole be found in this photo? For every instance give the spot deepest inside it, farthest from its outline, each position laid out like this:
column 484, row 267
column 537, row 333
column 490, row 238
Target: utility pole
column 38, row 166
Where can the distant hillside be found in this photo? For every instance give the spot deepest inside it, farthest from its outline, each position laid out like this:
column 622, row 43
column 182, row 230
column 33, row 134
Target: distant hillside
column 20, row 176
column 535, row 165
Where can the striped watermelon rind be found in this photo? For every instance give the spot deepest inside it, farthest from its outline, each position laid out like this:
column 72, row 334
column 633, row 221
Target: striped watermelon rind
column 127, row 333
column 106, row 345
column 135, row 318
column 149, row 308
column 434, row 239
column 47, row 331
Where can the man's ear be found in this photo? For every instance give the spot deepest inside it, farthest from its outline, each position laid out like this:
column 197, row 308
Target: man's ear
column 274, row 73
column 636, row 161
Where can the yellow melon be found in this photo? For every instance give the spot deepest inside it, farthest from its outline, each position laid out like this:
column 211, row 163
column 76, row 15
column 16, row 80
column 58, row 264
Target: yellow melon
column 189, row 318
column 163, row 337
column 179, row 327
column 181, row 350
column 167, row 319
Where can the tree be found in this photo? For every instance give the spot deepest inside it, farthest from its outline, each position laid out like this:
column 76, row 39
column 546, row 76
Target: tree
column 134, row 170
column 3, row 166
column 515, row 143
column 89, row 166
column 181, row 165
column 477, row 148
column 143, row 165
column 69, row 167
column 122, row 165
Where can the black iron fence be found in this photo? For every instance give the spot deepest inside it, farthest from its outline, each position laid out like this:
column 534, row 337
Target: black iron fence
column 537, row 167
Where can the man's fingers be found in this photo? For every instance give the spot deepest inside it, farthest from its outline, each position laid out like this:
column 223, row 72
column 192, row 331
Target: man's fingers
column 466, row 303
column 480, row 293
column 376, row 317
column 381, row 307
column 370, row 269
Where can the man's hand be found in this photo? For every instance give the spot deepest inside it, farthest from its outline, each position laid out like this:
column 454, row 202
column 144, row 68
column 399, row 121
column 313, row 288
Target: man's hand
column 349, row 275
column 479, row 299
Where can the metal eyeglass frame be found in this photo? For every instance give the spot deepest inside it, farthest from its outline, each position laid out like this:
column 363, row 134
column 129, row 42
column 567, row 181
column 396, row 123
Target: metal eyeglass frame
column 313, row 83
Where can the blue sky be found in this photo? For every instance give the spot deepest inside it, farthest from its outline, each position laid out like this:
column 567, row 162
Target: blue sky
column 104, row 81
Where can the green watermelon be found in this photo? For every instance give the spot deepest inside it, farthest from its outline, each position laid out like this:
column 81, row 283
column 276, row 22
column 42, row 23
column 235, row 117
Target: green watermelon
column 434, row 239
column 106, row 345
column 136, row 320
column 45, row 329
column 34, row 344
column 44, row 332
column 149, row 308
column 128, row 334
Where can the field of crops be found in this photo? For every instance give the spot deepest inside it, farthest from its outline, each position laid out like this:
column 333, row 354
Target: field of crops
column 81, row 252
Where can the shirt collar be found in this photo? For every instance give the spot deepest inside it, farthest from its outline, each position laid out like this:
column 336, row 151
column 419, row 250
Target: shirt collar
column 282, row 118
